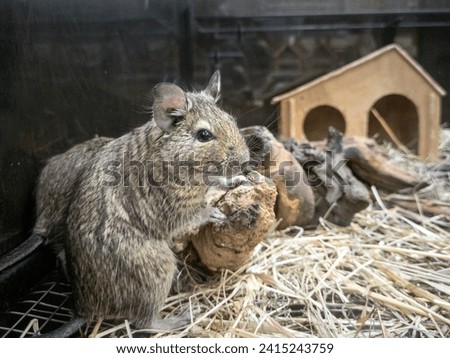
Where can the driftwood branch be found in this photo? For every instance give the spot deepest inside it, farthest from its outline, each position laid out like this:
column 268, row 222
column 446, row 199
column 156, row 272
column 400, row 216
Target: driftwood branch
column 389, row 131
column 370, row 166
column 295, row 198
column 338, row 193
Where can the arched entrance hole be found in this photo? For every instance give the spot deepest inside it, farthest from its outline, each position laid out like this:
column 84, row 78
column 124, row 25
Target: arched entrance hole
column 400, row 115
column 319, row 119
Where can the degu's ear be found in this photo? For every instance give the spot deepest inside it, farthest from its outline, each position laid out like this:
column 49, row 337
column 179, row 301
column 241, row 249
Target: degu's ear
column 170, row 105
column 213, row 88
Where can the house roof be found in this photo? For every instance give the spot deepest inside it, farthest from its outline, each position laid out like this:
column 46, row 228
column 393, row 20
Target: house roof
column 371, row 56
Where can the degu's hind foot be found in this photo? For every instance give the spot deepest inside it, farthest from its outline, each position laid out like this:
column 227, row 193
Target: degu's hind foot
column 170, row 323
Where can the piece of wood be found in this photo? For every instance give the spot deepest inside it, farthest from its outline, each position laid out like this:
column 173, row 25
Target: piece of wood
column 389, row 131
column 370, row 166
column 295, row 199
column 249, row 208
column 339, row 195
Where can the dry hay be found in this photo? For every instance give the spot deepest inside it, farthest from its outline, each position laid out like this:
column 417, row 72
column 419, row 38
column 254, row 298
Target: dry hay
column 386, row 275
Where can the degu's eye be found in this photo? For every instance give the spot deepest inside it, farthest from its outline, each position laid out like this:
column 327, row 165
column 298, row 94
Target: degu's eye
column 204, row 135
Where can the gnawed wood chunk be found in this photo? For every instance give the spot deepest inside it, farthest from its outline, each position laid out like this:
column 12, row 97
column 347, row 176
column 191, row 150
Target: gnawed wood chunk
column 250, row 214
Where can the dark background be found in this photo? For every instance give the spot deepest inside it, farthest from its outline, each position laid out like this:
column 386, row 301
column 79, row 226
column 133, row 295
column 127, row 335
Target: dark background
column 71, row 69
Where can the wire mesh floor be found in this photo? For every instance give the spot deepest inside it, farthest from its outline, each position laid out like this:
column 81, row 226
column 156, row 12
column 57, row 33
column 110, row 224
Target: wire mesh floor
column 45, row 308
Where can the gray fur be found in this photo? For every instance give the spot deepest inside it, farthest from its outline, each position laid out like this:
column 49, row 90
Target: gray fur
column 118, row 244
column 56, row 185
column 117, row 237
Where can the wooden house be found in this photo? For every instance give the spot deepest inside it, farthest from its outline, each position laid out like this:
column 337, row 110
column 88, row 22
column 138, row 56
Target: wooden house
column 385, row 94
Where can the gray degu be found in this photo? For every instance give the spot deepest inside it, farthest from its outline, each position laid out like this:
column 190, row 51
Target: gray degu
column 114, row 240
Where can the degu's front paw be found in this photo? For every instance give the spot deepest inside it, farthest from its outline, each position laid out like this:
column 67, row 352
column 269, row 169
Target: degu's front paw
column 216, row 216
column 232, row 182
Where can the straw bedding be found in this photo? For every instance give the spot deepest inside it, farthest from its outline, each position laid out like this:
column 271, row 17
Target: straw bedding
column 385, row 275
